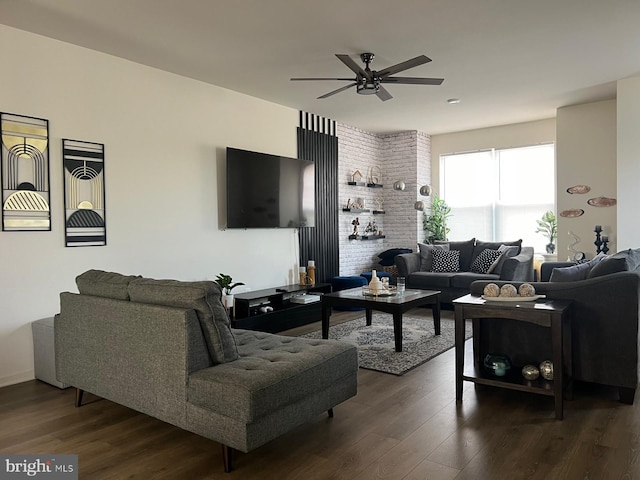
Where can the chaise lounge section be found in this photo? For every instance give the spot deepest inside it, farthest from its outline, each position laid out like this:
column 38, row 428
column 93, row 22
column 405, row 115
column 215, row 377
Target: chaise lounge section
column 165, row 348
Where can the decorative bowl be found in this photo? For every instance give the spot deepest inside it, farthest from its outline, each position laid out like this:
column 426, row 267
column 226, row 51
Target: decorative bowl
column 497, row 364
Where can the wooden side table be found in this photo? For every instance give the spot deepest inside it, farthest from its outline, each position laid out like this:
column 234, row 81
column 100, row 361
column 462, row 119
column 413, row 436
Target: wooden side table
column 552, row 314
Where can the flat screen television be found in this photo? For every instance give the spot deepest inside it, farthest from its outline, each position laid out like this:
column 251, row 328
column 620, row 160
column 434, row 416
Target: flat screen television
column 269, row 191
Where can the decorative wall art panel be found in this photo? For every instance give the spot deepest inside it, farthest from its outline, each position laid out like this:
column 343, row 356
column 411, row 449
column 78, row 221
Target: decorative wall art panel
column 25, row 173
column 84, row 194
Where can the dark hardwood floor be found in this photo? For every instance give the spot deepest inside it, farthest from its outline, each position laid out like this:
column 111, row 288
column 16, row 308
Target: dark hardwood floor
column 405, row 427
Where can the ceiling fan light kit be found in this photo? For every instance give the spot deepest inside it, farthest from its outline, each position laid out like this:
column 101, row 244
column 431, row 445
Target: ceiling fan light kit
column 369, row 82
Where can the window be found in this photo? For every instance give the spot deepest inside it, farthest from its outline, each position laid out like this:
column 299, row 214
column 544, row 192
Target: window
column 499, row 194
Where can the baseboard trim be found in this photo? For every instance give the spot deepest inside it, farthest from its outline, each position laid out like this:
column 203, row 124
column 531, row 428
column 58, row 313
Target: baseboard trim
column 17, row 378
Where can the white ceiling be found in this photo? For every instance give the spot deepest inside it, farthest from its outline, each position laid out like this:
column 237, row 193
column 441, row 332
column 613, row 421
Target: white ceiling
column 508, row 61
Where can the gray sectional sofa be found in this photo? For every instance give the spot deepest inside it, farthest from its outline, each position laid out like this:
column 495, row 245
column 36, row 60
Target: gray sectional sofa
column 454, row 278
column 165, row 348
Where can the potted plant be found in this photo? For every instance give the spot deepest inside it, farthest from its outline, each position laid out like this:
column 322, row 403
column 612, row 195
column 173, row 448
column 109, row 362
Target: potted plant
column 434, row 224
column 227, row 285
column 548, row 226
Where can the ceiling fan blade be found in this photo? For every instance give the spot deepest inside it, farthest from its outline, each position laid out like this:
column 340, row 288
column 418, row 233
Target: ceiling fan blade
column 350, row 62
column 413, row 81
column 341, row 89
column 341, row 79
column 414, row 62
column 383, row 94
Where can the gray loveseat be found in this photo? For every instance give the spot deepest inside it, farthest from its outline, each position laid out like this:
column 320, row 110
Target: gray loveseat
column 605, row 323
column 165, row 348
column 515, row 263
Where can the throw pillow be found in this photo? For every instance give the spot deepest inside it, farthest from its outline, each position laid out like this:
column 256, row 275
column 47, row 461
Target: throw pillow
column 506, row 251
column 204, row 298
column 570, row 274
column 426, row 255
column 626, row 260
column 575, row 272
column 387, row 257
column 465, row 247
column 485, row 260
column 446, row 260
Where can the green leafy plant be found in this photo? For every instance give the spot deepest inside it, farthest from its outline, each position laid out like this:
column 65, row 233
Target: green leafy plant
column 226, row 283
column 548, row 226
column 434, row 223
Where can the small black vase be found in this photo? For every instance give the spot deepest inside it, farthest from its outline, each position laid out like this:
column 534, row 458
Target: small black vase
column 551, row 247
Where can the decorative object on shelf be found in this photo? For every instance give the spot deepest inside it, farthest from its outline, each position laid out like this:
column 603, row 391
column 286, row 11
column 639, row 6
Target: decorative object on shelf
column 575, row 256
column 25, row 174
column 434, row 224
column 227, row 285
column 399, row 185
column 355, row 176
column 379, row 201
column 572, row 213
column 546, row 370
column 548, row 226
column 579, row 189
column 375, row 176
column 302, row 272
column 497, row 364
column 601, row 242
column 530, row 372
column 84, row 196
column 355, row 223
column 602, row 202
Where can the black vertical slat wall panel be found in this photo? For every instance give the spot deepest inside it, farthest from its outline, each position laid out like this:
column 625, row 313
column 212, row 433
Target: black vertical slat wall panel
column 317, row 141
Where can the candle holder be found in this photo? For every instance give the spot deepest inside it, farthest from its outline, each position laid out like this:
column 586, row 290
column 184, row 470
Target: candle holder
column 598, row 242
column 605, row 248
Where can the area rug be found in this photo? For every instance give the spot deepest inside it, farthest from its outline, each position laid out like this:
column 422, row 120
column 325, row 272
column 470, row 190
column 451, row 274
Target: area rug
column 376, row 345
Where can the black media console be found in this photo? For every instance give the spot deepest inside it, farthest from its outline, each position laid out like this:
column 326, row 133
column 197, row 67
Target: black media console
column 250, row 314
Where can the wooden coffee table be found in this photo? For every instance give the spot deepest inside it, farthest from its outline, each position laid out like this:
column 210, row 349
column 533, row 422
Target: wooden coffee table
column 396, row 305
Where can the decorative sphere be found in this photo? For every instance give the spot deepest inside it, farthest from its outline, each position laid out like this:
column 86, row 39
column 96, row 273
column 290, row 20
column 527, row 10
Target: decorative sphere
column 508, row 290
column 530, row 372
column 546, row 370
column 526, row 290
column 491, row 290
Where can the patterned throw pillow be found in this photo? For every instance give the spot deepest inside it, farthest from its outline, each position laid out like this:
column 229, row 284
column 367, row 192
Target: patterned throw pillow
column 484, row 261
column 446, row 261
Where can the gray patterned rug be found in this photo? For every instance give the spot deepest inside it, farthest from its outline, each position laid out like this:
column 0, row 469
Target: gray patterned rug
column 376, row 346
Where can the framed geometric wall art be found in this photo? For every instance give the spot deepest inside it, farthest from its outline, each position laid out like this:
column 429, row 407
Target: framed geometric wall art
column 25, row 173
column 84, row 193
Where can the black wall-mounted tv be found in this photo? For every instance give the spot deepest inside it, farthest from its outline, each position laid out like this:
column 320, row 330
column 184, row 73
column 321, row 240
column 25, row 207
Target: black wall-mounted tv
column 269, row 191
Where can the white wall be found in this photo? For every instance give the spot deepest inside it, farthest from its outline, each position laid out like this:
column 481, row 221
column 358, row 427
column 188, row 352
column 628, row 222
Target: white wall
column 586, row 155
column 628, row 163
column 165, row 139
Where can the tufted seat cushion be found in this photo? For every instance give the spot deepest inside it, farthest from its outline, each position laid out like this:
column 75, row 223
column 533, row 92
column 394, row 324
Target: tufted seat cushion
column 273, row 371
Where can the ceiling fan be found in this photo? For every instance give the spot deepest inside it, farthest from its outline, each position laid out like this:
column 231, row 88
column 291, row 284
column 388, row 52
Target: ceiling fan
column 369, row 82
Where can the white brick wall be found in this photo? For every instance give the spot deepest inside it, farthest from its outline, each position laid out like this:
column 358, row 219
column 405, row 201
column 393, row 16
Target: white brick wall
column 402, row 156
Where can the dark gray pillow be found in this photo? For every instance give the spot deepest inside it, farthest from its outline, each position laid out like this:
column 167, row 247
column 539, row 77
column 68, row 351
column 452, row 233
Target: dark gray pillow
column 426, row 255
column 624, row 261
column 506, row 251
column 204, row 298
column 465, row 248
column 104, row 284
column 570, row 274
